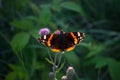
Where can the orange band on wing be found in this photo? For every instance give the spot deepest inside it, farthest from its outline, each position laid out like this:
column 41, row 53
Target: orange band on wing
column 75, row 39
column 55, row 50
column 49, row 39
column 70, row 48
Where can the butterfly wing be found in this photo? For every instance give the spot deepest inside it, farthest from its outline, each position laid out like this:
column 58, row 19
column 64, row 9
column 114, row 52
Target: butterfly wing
column 55, row 43
column 44, row 39
column 78, row 37
column 61, row 42
column 50, row 40
column 71, row 39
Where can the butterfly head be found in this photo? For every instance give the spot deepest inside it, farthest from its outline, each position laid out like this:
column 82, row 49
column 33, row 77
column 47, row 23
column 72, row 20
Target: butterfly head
column 58, row 32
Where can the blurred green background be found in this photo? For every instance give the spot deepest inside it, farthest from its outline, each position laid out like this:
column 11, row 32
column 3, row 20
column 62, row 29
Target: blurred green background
column 96, row 58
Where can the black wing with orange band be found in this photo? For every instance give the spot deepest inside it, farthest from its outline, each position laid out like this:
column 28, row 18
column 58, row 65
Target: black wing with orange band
column 62, row 42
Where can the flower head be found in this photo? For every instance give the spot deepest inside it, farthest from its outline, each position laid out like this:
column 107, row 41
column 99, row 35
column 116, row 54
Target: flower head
column 44, row 31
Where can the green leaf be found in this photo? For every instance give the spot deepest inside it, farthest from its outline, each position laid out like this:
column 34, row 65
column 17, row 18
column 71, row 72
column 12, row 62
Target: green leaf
column 35, row 8
column 45, row 15
column 72, row 58
column 11, row 76
column 25, row 23
column 49, row 61
column 100, row 62
column 34, row 33
column 19, row 41
column 56, row 5
column 113, row 66
column 14, row 67
column 114, row 70
column 17, row 75
column 38, row 66
column 95, row 49
column 73, row 6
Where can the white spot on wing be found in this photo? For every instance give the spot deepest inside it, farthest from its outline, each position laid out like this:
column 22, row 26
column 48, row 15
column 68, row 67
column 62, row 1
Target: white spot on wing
column 43, row 41
column 78, row 33
column 80, row 37
column 84, row 34
column 44, row 37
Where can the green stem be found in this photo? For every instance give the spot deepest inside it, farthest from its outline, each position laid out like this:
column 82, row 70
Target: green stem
column 22, row 62
column 49, row 55
column 60, row 59
column 98, row 78
column 54, row 66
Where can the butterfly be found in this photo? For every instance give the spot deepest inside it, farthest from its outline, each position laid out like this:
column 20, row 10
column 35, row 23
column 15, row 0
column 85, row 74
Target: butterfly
column 59, row 41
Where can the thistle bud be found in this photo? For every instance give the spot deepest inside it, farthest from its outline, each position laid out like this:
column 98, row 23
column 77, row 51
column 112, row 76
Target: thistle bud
column 70, row 72
column 51, row 75
column 64, row 78
column 55, row 67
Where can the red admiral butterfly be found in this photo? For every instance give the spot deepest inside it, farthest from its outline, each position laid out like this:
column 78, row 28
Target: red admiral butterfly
column 60, row 41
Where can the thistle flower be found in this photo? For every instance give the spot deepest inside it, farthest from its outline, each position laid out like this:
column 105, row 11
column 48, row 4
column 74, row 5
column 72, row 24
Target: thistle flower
column 44, row 31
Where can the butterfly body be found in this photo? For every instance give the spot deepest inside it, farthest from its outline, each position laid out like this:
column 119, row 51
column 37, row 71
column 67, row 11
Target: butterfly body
column 61, row 41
